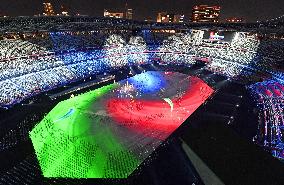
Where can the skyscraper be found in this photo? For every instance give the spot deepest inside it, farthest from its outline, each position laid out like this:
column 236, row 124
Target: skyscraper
column 205, row 13
column 128, row 12
column 48, row 9
column 64, row 10
column 161, row 16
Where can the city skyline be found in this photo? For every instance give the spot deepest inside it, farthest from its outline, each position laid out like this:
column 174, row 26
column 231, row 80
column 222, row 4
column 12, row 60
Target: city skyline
column 250, row 10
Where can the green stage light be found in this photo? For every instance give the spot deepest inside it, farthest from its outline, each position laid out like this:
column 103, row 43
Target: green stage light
column 70, row 142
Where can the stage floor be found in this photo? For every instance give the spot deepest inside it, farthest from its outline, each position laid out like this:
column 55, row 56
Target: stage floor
column 109, row 132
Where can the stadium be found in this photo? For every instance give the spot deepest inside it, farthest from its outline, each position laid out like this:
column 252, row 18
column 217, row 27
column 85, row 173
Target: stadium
column 107, row 101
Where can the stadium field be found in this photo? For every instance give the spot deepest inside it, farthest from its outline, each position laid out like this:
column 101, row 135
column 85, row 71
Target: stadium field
column 109, row 132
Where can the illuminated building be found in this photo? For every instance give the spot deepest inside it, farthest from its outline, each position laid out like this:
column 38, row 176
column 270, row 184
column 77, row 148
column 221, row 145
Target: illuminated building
column 169, row 17
column 205, row 13
column 64, row 10
column 178, row 18
column 48, row 9
column 235, row 19
column 118, row 15
column 161, row 16
column 128, row 12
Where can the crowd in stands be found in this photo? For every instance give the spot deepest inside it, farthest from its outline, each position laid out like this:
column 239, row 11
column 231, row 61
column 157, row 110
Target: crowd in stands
column 18, row 48
column 28, row 68
column 176, row 49
column 226, row 58
column 27, row 75
column 270, row 54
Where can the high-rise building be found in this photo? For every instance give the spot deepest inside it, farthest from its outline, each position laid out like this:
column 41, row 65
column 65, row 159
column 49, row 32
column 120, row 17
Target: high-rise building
column 118, row 15
column 129, row 13
column 161, row 17
column 169, row 17
column 64, row 10
column 48, row 9
column 205, row 13
column 178, row 18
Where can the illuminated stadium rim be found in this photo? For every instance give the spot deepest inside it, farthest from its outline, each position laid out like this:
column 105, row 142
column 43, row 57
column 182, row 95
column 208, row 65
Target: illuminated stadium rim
column 48, row 54
column 275, row 76
column 89, row 60
column 125, row 55
column 147, row 52
column 58, row 53
column 152, row 52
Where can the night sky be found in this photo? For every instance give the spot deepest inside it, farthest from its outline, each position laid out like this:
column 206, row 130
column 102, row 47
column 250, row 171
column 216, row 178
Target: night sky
column 251, row 10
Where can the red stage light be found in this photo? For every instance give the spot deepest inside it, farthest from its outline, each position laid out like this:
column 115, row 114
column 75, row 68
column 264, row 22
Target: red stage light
column 154, row 118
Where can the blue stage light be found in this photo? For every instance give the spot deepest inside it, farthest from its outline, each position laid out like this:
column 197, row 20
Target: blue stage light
column 148, row 82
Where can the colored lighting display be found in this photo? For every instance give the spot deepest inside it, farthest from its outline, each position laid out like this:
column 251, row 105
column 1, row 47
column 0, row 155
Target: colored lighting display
column 100, row 134
column 150, row 82
column 269, row 98
column 159, row 115
column 215, row 36
column 72, row 62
